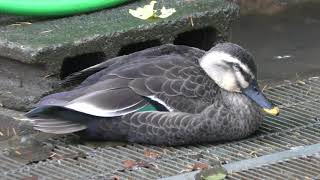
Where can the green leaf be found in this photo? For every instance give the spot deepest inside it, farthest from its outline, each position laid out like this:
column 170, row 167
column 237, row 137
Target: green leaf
column 148, row 11
column 145, row 12
column 217, row 176
column 166, row 12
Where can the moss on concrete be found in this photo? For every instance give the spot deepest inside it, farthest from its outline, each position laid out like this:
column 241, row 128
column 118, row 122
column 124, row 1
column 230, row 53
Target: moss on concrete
column 50, row 42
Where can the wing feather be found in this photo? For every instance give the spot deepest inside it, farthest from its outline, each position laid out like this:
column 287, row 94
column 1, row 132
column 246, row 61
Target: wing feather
column 108, row 103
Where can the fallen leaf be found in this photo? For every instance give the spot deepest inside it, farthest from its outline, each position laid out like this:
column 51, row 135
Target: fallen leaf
column 24, row 23
column 191, row 21
column 115, row 177
column 214, row 173
column 18, row 152
column 200, row 166
column 145, row 12
column 148, row 11
column 166, row 12
column 151, row 154
column 14, row 131
column 146, row 165
column 217, row 176
column 254, row 153
column 46, row 31
column 129, row 164
column 55, row 156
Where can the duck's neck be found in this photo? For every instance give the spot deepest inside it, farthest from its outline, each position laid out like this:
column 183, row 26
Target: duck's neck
column 238, row 102
column 246, row 112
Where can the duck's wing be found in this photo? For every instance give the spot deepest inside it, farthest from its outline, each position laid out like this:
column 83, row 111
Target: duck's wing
column 95, row 72
column 172, row 82
column 71, row 111
column 108, row 98
column 168, row 80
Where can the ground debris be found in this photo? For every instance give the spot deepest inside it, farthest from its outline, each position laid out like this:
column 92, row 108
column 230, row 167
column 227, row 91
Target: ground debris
column 199, row 166
column 196, row 166
column 151, row 154
column 301, row 82
column 34, row 177
column 115, row 177
column 129, row 164
column 47, row 31
column 20, row 23
column 214, row 173
column 134, row 165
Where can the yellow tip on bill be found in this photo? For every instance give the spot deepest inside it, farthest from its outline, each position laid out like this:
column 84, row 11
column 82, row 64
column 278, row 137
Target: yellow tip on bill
column 274, row 111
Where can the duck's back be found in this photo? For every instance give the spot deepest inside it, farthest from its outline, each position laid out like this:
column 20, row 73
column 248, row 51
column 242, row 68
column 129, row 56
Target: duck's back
column 145, row 56
column 168, row 74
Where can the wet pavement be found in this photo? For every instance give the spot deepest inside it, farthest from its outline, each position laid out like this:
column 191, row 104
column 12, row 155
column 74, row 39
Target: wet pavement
column 284, row 40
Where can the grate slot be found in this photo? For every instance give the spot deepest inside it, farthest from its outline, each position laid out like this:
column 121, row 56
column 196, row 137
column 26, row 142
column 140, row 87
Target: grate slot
column 274, row 144
column 311, row 138
column 296, row 168
column 51, row 172
column 8, row 164
column 257, row 150
column 269, row 175
column 13, row 177
column 297, row 113
column 293, row 172
column 246, row 176
column 275, row 173
column 305, row 88
column 314, row 84
column 225, row 156
column 298, row 119
column 310, row 163
column 237, row 176
column 265, row 129
column 302, row 167
column 279, row 100
column 279, row 123
column 300, row 96
column 289, row 96
column 83, row 167
column 98, row 162
column 290, row 141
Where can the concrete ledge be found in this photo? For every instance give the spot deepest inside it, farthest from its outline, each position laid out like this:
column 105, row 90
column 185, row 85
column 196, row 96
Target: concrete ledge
column 22, row 84
column 60, row 44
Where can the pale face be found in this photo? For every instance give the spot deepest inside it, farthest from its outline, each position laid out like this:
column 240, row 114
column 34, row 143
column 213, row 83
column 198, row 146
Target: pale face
column 228, row 72
column 231, row 74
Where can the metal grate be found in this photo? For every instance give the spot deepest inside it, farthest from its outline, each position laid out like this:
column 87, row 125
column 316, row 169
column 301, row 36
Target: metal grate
column 296, row 168
column 298, row 125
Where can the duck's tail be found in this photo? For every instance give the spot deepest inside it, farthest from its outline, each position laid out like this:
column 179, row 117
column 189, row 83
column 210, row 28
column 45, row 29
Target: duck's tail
column 57, row 120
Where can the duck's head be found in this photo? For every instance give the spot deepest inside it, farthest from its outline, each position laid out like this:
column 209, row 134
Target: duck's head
column 233, row 69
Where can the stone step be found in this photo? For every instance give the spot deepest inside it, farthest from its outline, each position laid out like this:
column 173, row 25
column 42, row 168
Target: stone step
column 68, row 44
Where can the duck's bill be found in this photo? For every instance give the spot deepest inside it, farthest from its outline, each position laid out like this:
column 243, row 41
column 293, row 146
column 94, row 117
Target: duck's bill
column 253, row 92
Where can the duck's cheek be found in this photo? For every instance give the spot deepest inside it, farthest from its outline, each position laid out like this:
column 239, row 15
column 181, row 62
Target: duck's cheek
column 241, row 80
column 229, row 83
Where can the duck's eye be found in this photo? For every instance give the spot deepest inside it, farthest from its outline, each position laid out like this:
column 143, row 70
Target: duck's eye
column 236, row 67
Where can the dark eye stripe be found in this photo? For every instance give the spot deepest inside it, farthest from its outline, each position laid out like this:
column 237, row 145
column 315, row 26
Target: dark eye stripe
column 247, row 77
